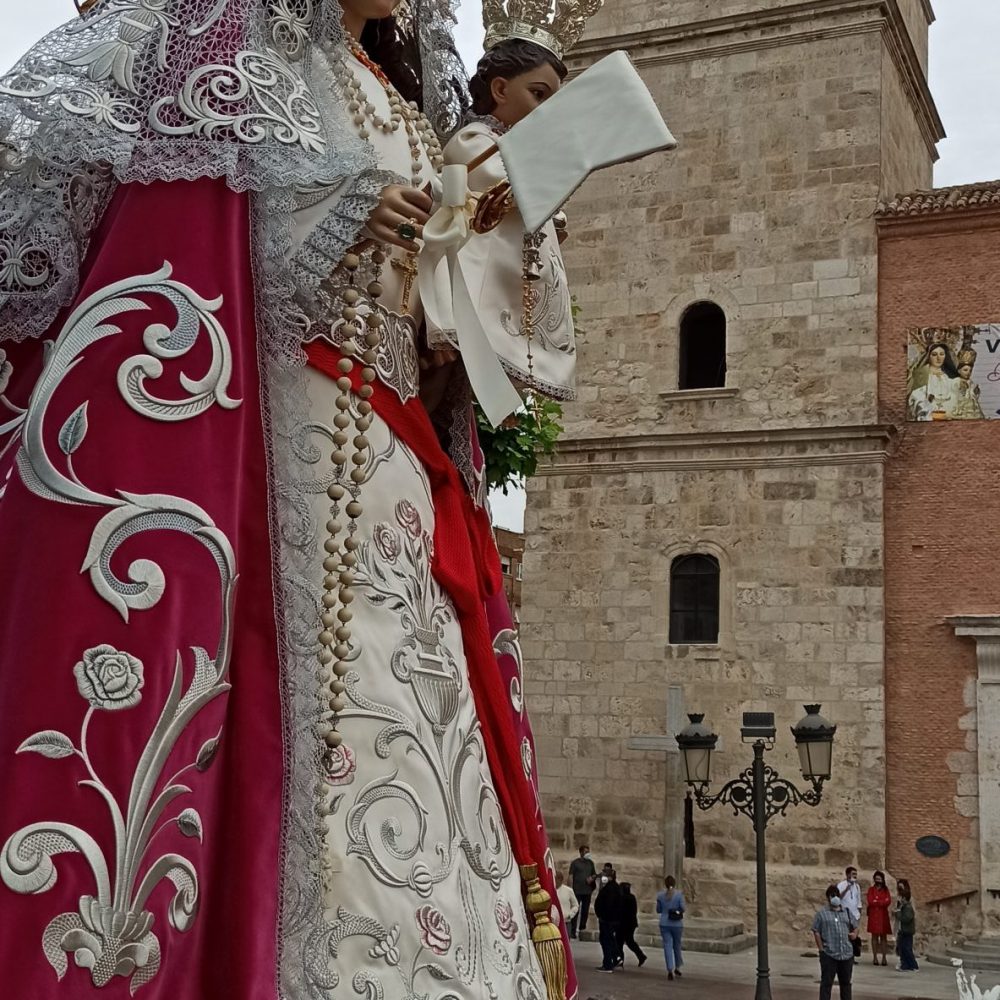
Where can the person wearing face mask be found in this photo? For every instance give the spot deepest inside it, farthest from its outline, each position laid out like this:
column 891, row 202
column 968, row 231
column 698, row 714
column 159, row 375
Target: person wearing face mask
column 877, row 902
column 834, row 932
column 850, row 894
column 608, row 909
column 582, row 874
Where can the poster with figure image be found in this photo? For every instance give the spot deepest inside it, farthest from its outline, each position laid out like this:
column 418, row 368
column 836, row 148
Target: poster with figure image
column 953, row 372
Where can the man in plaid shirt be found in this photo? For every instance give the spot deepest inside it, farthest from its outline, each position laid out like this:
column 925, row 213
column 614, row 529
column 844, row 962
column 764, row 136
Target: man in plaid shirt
column 834, row 931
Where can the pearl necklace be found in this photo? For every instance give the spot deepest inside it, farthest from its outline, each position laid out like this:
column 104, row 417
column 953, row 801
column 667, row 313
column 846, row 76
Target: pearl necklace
column 419, row 130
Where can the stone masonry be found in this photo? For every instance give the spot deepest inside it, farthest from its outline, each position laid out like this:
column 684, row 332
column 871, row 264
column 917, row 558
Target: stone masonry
column 793, row 119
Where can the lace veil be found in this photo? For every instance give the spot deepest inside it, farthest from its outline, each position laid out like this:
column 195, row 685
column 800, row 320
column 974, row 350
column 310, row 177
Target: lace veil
column 144, row 90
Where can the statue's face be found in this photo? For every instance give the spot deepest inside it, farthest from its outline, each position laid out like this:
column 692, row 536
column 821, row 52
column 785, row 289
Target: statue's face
column 937, row 357
column 520, row 95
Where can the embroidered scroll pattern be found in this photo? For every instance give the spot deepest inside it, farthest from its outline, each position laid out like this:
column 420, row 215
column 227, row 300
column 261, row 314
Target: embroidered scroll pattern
column 111, row 932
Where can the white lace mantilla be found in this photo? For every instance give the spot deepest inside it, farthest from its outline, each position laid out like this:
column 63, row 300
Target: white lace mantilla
column 145, row 90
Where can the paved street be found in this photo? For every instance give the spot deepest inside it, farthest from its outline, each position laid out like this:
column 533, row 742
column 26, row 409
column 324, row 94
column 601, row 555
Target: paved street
column 732, row 977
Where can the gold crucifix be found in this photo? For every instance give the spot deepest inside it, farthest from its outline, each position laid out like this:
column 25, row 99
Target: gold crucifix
column 408, row 268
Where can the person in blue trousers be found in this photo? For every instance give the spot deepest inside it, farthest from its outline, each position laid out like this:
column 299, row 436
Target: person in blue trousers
column 670, row 906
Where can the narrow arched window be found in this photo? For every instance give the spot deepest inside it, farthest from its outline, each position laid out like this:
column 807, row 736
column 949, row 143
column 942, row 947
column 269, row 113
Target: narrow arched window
column 694, row 599
column 702, row 347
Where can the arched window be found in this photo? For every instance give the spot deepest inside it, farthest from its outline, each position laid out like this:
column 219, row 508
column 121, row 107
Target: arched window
column 694, row 599
column 702, row 347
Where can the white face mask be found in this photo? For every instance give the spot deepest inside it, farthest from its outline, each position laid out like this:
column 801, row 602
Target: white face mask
column 835, row 902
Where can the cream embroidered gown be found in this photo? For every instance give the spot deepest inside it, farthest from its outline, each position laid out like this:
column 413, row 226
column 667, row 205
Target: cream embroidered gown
column 424, row 890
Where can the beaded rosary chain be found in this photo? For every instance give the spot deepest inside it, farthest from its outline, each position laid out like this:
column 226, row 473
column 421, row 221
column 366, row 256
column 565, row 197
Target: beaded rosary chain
column 361, row 339
column 419, row 130
column 531, row 264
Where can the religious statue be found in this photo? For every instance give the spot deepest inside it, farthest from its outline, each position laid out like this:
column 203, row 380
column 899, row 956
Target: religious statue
column 262, row 724
column 517, row 280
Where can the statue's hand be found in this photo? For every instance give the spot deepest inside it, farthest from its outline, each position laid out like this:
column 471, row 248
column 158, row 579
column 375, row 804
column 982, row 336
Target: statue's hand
column 400, row 206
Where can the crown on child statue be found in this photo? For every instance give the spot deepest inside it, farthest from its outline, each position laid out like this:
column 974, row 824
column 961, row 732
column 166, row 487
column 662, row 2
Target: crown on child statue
column 554, row 24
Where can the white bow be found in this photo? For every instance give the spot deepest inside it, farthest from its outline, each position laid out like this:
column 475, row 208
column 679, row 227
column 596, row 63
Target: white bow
column 446, row 299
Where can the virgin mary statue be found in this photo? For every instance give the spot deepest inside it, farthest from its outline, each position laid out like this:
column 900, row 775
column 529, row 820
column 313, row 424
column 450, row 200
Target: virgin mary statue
column 261, row 735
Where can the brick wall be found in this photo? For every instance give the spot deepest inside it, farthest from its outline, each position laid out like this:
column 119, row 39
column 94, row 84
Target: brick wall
column 942, row 508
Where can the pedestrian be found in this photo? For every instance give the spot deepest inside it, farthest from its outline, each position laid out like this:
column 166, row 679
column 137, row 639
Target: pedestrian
column 834, row 931
column 605, row 876
column 877, row 903
column 608, row 907
column 850, row 896
column 670, row 906
column 907, row 922
column 567, row 901
column 582, row 874
column 628, row 926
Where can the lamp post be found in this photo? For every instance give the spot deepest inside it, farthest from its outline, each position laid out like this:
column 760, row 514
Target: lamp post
column 760, row 792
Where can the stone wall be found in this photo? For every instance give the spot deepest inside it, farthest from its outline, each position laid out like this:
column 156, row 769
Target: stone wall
column 799, row 540
column 906, row 165
column 628, row 19
column 767, row 209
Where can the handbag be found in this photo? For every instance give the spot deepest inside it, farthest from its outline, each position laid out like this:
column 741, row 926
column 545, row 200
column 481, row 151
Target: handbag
column 857, row 943
column 675, row 914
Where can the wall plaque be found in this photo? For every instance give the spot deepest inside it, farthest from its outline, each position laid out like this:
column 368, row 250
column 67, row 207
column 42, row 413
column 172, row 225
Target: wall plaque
column 933, row 847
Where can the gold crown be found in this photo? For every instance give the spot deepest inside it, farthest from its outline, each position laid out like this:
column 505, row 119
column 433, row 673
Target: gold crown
column 557, row 30
column 966, row 357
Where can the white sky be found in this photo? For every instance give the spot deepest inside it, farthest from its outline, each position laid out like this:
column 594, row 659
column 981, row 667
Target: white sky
column 963, row 77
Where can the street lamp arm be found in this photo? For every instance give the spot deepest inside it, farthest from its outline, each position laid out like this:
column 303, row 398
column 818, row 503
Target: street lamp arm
column 779, row 794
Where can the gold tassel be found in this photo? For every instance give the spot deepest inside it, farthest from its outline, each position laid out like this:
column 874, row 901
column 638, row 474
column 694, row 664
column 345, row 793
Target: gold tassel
column 545, row 936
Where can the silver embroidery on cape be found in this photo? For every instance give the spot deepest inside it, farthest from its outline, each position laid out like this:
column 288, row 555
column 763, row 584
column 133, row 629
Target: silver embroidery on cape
column 111, row 932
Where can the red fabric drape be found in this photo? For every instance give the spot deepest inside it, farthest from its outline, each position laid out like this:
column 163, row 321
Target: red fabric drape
column 465, row 564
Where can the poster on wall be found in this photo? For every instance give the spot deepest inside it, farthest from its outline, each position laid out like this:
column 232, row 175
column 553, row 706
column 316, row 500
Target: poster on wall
column 953, row 372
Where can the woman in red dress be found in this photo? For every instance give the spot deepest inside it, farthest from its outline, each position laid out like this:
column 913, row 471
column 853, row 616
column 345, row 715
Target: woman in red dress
column 879, row 900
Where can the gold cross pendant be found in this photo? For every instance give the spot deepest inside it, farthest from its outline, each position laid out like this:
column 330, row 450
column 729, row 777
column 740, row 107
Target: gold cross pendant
column 408, row 268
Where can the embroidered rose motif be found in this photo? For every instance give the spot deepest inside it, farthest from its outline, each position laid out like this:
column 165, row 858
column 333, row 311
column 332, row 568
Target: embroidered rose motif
column 409, row 517
column 6, row 370
column 505, row 920
column 387, row 542
column 342, row 766
column 435, row 932
column 421, row 879
column 109, row 678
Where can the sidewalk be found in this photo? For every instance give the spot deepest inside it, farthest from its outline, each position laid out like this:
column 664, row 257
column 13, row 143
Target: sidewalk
column 733, row 977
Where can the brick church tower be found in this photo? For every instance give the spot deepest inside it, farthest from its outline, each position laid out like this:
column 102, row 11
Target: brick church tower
column 714, row 519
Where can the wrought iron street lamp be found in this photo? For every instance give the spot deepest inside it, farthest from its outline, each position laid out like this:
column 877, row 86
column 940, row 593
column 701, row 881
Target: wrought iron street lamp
column 760, row 792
